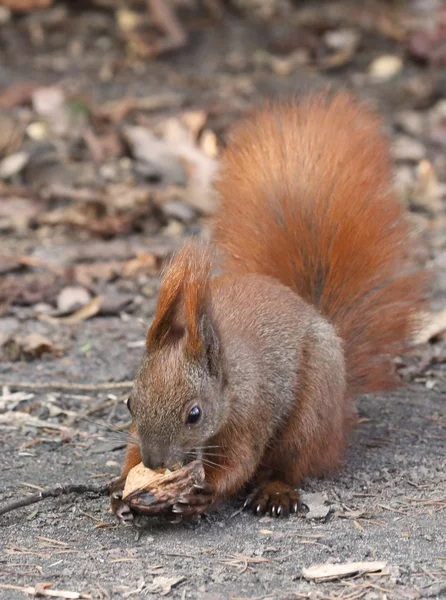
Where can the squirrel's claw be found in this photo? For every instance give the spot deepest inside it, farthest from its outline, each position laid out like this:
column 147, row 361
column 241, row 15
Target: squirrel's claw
column 120, row 509
column 194, row 503
column 275, row 498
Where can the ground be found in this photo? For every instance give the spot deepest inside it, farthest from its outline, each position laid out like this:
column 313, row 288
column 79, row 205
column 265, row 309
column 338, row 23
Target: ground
column 92, row 202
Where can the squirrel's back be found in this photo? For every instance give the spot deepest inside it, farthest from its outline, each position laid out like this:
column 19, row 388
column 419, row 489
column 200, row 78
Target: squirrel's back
column 306, row 197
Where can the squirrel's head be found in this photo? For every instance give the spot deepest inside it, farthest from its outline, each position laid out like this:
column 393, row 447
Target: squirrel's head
column 177, row 401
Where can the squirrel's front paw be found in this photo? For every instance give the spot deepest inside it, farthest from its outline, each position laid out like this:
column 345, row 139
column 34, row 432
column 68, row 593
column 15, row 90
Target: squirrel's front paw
column 120, row 509
column 276, row 499
column 197, row 501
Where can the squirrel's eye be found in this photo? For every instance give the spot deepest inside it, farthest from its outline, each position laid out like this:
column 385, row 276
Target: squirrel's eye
column 127, row 402
column 194, row 415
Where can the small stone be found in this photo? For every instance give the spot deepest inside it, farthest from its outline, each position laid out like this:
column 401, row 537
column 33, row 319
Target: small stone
column 385, row 67
column 407, row 148
column 341, row 38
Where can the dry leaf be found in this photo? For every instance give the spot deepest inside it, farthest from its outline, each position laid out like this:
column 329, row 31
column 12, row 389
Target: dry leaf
column 156, row 154
column 72, row 298
column 86, row 312
column 329, row 571
column 29, row 347
column 143, row 263
column 34, row 345
column 163, row 585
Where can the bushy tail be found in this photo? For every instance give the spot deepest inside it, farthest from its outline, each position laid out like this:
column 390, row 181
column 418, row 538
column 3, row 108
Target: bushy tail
column 305, row 192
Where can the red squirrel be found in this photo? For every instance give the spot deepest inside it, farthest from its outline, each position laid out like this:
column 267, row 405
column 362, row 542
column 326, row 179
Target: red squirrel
column 254, row 370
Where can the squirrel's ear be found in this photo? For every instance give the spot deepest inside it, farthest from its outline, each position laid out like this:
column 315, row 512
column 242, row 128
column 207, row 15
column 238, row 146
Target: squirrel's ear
column 182, row 299
column 165, row 328
column 210, row 346
column 166, row 324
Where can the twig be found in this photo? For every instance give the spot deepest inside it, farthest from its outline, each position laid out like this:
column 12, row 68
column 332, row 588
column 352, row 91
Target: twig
column 64, row 385
column 59, row 490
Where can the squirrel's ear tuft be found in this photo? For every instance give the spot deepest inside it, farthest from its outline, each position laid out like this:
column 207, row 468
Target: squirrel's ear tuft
column 182, row 300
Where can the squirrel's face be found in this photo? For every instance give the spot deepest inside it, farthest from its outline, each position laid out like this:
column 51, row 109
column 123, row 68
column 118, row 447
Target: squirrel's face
column 177, row 403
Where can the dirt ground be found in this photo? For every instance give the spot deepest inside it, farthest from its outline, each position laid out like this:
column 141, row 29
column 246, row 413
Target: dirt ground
column 106, row 155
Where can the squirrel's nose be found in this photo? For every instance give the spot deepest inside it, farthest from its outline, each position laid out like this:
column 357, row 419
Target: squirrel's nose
column 152, row 458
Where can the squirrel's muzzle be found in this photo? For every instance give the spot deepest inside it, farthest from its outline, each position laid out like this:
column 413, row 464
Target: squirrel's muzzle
column 158, row 457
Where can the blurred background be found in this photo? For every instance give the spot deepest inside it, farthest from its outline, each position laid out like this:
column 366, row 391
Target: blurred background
column 113, row 113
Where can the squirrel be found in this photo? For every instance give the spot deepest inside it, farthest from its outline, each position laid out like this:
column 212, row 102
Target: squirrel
column 255, row 370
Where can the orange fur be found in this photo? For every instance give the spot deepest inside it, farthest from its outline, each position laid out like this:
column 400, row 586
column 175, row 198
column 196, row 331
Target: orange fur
column 182, row 299
column 306, row 198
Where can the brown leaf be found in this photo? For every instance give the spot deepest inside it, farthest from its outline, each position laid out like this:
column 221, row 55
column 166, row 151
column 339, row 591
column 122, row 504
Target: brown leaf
column 72, row 298
column 163, row 585
column 143, row 263
column 29, row 347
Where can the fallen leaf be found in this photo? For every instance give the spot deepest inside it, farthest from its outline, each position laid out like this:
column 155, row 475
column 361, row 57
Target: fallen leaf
column 156, row 155
column 87, row 274
column 72, row 298
column 163, row 585
column 138, row 590
column 34, row 345
column 29, row 347
column 328, row 572
column 143, row 263
column 318, row 506
column 86, row 312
